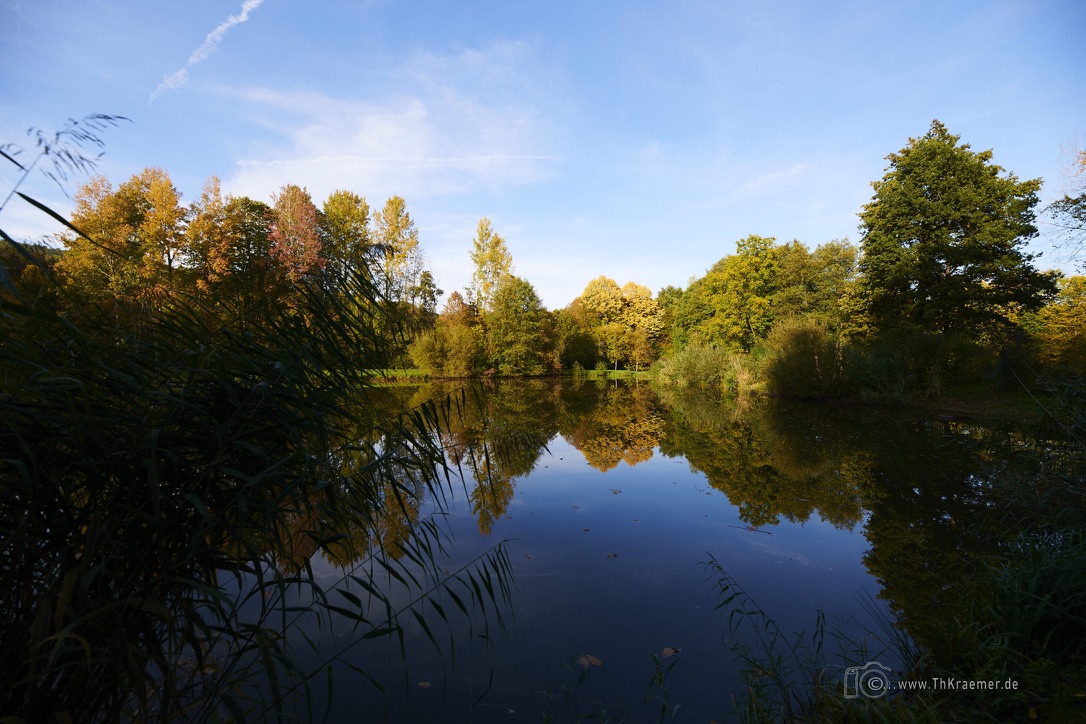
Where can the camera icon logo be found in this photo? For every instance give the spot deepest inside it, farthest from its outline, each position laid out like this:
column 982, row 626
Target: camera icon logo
column 871, row 680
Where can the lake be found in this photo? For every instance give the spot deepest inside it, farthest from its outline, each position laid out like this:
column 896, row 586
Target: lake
column 595, row 520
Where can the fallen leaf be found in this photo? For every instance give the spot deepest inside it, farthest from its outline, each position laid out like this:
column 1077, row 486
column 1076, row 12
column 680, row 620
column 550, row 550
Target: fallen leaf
column 668, row 652
column 612, row 555
column 587, row 660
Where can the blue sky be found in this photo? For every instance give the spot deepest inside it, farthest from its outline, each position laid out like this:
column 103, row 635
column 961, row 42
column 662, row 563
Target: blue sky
column 634, row 139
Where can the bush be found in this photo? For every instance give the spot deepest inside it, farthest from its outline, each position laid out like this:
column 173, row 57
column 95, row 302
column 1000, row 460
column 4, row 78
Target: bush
column 708, row 366
column 803, row 359
column 918, row 365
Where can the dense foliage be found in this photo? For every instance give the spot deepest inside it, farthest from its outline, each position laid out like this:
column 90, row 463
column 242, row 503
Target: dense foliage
column 943, row 240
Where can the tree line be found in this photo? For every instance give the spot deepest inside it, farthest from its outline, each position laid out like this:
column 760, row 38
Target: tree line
column 941, row 289
column 940, row 279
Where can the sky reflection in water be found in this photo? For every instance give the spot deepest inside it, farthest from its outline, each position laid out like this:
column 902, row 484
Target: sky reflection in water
column 612, row 564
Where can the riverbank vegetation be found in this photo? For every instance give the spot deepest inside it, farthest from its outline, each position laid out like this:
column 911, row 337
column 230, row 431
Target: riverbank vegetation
column 186, row 421
column 940, row 298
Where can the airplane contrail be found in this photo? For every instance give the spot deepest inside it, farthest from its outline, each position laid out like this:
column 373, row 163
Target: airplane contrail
column 180, row 78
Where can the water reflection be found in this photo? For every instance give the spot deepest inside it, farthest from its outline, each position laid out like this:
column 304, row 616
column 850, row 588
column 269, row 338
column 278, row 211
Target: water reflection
column 584, row 477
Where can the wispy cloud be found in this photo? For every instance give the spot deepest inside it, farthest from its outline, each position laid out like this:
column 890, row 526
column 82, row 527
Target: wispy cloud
column 180, row 78
column 770, row 181
column 448, row 125
column 173, row 81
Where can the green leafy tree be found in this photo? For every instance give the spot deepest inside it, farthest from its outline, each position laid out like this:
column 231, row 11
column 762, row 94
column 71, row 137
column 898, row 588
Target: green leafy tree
column 667, row 301
column 944, row 240
column 424, row 296
column 732, row 304
column 578, row 344
column 812, row 283
column 493, row 263
column 518, row 330
column 453, row 348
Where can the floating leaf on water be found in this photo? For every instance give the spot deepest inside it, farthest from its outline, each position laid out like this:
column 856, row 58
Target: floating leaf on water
column 669, row 651
column 612, row 555
column 586, row 660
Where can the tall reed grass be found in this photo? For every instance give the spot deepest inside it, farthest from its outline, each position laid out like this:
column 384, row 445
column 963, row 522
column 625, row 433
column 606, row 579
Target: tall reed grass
column 163, row 488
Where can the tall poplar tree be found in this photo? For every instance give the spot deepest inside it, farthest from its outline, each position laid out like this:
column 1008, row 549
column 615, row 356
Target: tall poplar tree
column 401, row 263
column 493, row 263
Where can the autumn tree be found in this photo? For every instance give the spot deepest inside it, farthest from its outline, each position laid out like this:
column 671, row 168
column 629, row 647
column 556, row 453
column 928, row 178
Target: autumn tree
column 602, row 304
column 643, row 323
column 1059, row 329
column 624, row 322
column 162, row 228
column 207, row 239
column 253, row 276
column 944, row 239
column 346, row 237
column 493, row 263
column 454, row 346
column 132, row 250
column 295, row 241
column 400, row 261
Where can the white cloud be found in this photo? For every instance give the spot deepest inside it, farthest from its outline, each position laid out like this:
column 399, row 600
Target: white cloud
column 180, row 78
column 467, row 122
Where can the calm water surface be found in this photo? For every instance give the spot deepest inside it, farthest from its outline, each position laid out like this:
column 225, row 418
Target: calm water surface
column 610, row 500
